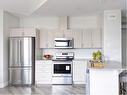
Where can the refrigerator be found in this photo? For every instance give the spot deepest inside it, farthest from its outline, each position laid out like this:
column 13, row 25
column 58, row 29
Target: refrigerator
column 22, row 61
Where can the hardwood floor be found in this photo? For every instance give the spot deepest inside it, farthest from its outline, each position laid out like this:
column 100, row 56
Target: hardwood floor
column 44, row 90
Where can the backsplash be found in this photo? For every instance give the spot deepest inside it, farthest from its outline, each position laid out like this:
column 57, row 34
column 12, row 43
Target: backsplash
column 78, row 53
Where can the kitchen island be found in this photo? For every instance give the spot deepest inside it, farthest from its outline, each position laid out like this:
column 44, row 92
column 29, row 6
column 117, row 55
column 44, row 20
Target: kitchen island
column 104, row 81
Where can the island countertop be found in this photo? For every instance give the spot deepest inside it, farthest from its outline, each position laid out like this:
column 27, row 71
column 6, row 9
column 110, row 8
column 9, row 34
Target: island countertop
column 110, row 66
column 105, row 81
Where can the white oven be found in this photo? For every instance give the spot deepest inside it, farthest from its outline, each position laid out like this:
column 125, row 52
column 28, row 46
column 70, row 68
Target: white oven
column 62, row 68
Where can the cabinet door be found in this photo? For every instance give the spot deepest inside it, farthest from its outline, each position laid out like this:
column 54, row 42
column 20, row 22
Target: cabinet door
column 58, row 34
column 68, row 33
column 79, row 72
column 43, row 72
column 52, row 35
column 30, row 32
column 87, row 39
column 76, row 35
column 96, row 39
column 20, row 32
column 43, row 39
column 77, row 39
column 16, row 32
column 50, row 40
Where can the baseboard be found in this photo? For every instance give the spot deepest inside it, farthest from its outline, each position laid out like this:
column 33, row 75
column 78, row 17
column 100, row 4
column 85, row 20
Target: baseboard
column 78, row 82
column 3, row 84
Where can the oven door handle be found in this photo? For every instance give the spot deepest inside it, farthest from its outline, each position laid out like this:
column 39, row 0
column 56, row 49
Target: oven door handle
column 62, row 63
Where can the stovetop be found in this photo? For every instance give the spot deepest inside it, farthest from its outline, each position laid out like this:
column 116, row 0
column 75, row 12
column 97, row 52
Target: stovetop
column 68, row 59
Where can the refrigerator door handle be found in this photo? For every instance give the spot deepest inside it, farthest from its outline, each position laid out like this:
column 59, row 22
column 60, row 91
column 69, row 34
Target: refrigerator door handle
column 19, row 52
column 27, row 68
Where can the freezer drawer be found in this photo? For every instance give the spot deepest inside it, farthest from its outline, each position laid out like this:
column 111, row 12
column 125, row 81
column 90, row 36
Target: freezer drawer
column 20, row 76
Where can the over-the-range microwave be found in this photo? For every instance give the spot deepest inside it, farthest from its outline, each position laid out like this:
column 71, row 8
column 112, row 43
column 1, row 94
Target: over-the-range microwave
column 64, row 43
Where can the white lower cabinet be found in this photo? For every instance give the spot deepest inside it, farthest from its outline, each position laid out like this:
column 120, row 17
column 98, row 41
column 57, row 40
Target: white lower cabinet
column 79, row 71
column 43, row 72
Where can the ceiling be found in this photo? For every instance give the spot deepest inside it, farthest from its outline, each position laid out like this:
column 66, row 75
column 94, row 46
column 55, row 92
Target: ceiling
column 78, row 7
column 60, row 7
column 24, row 7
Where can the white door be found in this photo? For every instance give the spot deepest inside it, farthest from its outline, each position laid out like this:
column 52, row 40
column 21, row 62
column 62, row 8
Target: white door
column 16, row 32
column 43, row 39
column 79, row 72
column 52, row 35
column 96, row 39
column 20, row 32
column 30, row 32
column 87, row 39
column 43, row 72
column 76, row 34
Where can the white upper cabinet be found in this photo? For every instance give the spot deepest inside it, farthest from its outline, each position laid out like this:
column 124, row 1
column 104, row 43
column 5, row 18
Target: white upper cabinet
column 16, row 32
column 87, row 39
column 50, row 40
column 92, row 38
column 30, row 32
column 43, row 39
column 58, row 34
column 77, row 39
column 52, row 35
column 20, row 32
column 96, row 39
column 47, row 37
column 68, row 33
column 76, row 34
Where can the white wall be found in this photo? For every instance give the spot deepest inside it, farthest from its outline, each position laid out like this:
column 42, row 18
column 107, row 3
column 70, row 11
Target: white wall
column 7, row 21
column 10, row 21
column 40, row 22
column 1, row 48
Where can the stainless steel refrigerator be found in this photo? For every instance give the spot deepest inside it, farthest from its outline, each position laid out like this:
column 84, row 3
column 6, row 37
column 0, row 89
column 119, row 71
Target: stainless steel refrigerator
column 22, row 61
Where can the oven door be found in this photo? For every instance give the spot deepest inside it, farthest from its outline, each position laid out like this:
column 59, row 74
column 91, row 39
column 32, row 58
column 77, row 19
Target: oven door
column 62, row 68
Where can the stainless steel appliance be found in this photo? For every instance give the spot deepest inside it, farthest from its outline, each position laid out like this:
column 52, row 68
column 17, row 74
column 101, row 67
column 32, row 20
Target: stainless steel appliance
column 62, row 68
column 22, row 61
column 63, row 42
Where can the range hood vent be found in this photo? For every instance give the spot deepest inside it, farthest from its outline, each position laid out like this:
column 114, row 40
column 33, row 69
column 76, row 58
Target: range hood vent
column 64, row 22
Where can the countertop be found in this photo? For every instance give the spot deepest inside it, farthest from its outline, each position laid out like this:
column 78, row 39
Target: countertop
column 43, row 60
column 111, row 66
column 72, row 60
column 80, row 59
